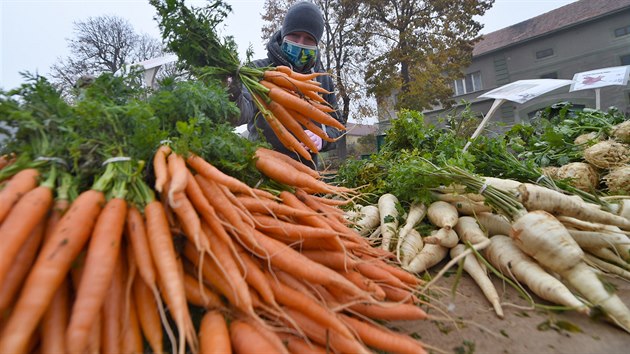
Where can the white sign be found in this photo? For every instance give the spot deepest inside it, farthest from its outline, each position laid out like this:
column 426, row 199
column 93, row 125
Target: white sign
column 617, row 75
column 524, row 90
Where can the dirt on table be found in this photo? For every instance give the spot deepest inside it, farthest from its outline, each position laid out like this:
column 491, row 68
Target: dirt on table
column 475, row 328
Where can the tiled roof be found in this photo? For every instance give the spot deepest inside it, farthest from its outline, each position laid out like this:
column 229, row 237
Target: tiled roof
column 360, row 129
column 551, row 21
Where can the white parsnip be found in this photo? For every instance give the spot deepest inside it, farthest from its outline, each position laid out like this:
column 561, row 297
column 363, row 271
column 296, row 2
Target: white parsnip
column 504, row 184
column 410, row 246
column 607, row 267
column 417, row 212
column 429, row 256
column 473, row 268
column 599, row 239
column 504, row 255
column 444, row 237
column 545, row 239
column 494, row 224
column 369, row 220
column 470, row 207
column 442, row 214
column 535, row 197
column 388, row 214
column 469, row 230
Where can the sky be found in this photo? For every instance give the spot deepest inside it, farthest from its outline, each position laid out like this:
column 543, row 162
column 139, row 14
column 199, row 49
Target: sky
column 34, row 33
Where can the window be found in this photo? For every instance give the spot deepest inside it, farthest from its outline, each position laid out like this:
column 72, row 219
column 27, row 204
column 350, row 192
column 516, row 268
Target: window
column 553, row 75
column 470, row 83
column 544, row 53
column 625, row 59
column 622, row 31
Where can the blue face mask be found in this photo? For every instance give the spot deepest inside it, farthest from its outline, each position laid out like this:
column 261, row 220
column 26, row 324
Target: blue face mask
column 299, row 55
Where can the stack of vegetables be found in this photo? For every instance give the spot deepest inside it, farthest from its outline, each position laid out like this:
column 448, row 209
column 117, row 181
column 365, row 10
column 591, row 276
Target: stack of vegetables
column 523, row 230
column 131, row 217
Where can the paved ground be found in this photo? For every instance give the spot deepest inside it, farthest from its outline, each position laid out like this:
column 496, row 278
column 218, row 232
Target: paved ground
column 522, row 330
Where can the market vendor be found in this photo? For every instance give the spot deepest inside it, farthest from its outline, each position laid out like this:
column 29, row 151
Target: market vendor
column 295, row 45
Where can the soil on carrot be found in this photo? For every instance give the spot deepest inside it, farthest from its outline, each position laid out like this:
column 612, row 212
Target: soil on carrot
column 474, row 327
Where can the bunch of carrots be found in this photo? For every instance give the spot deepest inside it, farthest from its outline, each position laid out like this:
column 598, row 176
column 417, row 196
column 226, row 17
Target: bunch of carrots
column 291, row 102
column 124, row 264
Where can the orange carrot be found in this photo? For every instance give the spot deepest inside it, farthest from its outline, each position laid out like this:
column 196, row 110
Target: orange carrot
column 296, row 344
column 214, row 336
column 112, row 310
column 285, row 258
column 272, row 208
column 132, row 336
column 308, row 123
column 289, row 101
column 21, row 266
column 49, row 270
column 98, row 272
column 278, row 127
column 365, row 283
column 189, row 219
column 384, row 339
column 163, row 252
column 148, row 314
column 319, row 334
column 178, row 173
column 299, row 76
column 296, row 164
column 160, row 169
column 390, row 311
column 292, row 125
column 311, row 219
column 306, row 305
column 16, row 187
column 210, row 172
column 284, row 173
column 255, row 277
column 287, row 81
column 269, row 224
column 199, row 295
column 55, row 321
column 246, row 339
column 137, row 235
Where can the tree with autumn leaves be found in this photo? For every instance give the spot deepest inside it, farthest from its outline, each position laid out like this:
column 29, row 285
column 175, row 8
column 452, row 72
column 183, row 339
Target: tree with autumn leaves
column 410, row 49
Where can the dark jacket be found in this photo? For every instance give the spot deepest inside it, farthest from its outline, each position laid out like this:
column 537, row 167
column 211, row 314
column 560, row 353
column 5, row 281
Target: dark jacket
column 255, row 121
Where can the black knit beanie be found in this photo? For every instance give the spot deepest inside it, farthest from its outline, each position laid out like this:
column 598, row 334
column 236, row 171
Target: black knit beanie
column 304, row 17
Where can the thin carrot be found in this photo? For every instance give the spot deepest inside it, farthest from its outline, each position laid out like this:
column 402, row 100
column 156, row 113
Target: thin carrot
column 298, row 165
column 49, row 270
column 132, row 336
column 214, row 336
column 112, row 310
column 178, row 173
column 292, row 84
column 299, row 76
column 306, row 305
column 285, row 258
column 289, row 101
column 269, row 224
column 309, row 124
column 188, row 219
column 314, row 219
column 365, row 283
column 16, row 187
column 287, row 139
column 246, row 339
column 137, row 235
column 20, row 268
column 319, row 334
column 160, row 169
column 163, row 251
column 292, row 125
column 148, row 314
column 296, row 344
column 273, row 208
column 55, row 321
column 384, row 339
column 255, row 277
column 207, row 170
column 284, row 173
column 98, row 272
column 199, row 294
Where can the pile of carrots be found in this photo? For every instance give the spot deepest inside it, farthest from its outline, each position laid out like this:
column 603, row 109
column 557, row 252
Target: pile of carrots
column 291, row 102
column 199, row 260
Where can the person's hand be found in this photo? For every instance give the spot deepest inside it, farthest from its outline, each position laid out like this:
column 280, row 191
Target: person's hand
column 315, row 139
